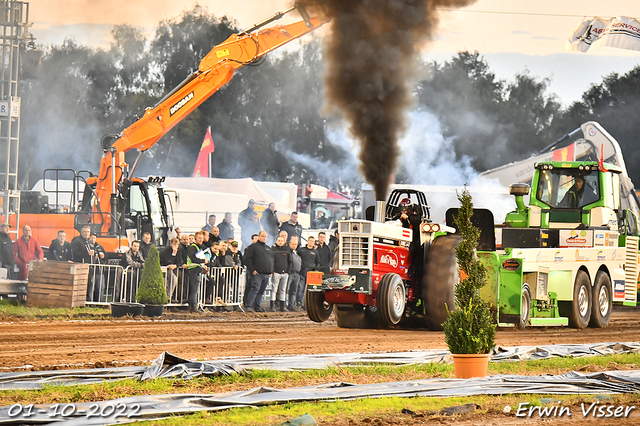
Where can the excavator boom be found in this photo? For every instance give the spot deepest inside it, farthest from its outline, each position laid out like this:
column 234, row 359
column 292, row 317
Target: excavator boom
column 215, row 71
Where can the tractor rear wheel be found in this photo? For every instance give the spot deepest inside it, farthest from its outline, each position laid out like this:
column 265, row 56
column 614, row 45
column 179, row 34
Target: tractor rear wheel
column 602, row 301
column 318, row 309
column 439, row 279
column 391, row 299
column 579, row 309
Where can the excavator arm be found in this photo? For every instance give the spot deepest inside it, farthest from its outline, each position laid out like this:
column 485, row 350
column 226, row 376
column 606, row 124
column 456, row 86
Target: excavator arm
column 215, row 71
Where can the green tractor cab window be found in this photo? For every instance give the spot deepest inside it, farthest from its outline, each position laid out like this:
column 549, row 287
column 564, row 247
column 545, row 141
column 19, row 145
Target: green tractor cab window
column 568, row 188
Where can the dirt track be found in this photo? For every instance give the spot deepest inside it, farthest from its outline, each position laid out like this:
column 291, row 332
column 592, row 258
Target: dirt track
column 43, row 343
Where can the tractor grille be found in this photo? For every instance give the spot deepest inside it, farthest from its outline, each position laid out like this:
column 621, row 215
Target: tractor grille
column 355, row 252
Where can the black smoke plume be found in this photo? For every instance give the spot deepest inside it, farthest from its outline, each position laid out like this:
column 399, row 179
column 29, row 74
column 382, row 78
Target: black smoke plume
column 371, row 53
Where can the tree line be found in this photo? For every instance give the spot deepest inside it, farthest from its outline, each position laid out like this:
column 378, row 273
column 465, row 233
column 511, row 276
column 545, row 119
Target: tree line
column 272, row 117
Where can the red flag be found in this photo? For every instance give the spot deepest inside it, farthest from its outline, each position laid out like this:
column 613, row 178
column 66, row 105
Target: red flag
column 202, row 164
column 564, row 154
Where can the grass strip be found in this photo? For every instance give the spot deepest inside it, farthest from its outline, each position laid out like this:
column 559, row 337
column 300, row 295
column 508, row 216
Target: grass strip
column 9, row 312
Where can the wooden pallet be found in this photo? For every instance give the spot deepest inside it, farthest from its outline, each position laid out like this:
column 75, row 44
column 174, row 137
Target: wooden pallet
column 57, row 284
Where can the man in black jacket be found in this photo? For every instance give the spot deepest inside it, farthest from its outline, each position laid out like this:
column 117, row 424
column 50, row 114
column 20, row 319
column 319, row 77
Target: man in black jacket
column 226, row 227
column 325, row 255
column 309, row 257
column 60, row 249
column 145, row 244
column 270, row 223
column 292, row 227
column 82, row 246
column 294, row 274
column 6, row 250
column 259, row 261
column 280, row 277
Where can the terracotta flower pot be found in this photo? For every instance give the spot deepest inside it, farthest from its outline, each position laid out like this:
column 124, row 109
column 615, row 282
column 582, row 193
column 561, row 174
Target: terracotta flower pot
column 471, row 365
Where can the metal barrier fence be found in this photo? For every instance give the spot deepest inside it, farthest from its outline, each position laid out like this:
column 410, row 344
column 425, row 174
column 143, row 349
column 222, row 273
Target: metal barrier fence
column 223, row 287
column 220, row 287
column 104, row 284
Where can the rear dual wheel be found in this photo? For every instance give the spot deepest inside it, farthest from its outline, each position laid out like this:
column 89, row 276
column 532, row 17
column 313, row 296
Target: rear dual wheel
column 601, row 297
column 579, row 309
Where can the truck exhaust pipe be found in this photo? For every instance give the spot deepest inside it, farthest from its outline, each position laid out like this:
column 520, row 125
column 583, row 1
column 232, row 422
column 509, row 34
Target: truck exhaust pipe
column 381, row 206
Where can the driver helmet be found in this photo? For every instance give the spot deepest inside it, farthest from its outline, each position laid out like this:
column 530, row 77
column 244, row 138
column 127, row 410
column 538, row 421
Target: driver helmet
column 405, row 204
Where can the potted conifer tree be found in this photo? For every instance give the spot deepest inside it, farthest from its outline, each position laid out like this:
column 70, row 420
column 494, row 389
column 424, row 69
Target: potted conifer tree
column 469, row 330
column 152, row 291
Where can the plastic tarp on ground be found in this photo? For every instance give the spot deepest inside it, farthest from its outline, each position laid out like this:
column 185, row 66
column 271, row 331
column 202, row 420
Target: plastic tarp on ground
column 159, row 406
column 171, row 366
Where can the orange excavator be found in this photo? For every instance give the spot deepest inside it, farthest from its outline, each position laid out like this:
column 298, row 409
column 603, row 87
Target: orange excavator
column 118, row 206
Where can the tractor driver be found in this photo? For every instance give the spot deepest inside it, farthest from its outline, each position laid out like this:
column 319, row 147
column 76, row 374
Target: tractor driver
column 573, row 197
column 411, row 218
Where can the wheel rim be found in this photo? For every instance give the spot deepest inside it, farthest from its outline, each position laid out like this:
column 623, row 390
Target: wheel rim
column 583, row 301
column 603, row 301
column 398, row 300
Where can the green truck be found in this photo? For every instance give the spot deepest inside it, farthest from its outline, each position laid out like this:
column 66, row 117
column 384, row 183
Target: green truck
column 566, row 257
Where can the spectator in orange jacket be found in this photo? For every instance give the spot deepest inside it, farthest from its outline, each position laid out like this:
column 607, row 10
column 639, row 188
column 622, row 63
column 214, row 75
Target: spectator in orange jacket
column 26, row 249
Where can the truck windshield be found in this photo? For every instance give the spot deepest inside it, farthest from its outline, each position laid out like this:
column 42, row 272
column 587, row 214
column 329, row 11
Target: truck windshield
column 325, row 215
column 568, row 188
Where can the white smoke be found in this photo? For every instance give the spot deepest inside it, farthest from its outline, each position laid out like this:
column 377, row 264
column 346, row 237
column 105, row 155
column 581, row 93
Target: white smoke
column 428, row 157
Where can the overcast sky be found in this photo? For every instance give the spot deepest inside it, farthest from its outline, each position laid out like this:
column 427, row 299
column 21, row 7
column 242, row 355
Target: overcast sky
column 512, row 35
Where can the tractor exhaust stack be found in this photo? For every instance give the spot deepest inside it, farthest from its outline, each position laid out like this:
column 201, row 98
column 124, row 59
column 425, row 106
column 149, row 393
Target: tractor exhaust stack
column 381, row 206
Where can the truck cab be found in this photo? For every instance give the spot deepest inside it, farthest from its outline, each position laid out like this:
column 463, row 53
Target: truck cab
column 567, row 194
column 570, row 254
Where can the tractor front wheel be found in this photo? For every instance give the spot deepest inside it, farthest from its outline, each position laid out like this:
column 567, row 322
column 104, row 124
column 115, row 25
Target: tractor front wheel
column 318, row 309
column 391, row 299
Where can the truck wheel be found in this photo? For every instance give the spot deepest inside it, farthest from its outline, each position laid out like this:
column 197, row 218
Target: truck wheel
column 439, row 279
column 317, row 309
column 602, row 301
column 525, row 309
column 581, row 303
column 391, row 299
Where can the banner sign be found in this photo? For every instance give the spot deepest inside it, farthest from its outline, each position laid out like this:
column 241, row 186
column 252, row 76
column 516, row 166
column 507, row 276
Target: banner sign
column 622, row 32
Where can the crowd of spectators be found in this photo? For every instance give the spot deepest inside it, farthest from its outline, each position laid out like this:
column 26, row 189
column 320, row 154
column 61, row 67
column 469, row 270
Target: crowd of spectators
column 272, row 252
